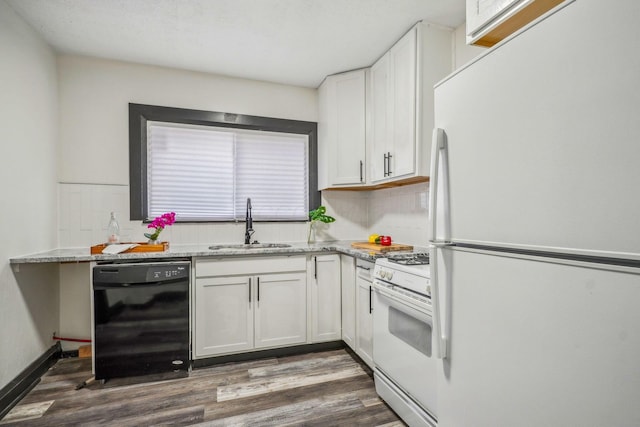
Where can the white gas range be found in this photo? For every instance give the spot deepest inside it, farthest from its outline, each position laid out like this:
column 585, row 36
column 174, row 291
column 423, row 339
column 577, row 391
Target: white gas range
column 403, row 344
column 409, row 271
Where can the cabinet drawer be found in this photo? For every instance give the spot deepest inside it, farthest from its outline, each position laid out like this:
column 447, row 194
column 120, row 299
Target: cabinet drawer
column 208, row 267
column 364, row 269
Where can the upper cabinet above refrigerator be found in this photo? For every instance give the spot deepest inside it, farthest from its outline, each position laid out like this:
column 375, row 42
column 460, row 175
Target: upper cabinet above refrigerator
column 490, row 21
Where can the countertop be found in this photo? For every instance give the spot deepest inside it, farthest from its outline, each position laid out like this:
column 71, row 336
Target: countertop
column 83, row 254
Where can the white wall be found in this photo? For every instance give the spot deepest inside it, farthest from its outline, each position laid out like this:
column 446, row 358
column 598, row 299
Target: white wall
column 28, row 207
column 93, row 154
column 350, row 209
column 93, row 159
column 94, row 98
column 94, row 141
column 462, row 52
column 90, row 190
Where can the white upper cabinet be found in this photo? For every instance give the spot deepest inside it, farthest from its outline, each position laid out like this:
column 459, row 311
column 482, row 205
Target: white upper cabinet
column 401, row 94
column 380, row 129
column 341, row 130
column 402, row 60
column 489, row 21
column 375, row 125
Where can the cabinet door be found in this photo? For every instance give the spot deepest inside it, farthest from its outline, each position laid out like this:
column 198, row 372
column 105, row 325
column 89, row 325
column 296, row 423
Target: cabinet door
column 341, row 130
column 348, row 279
column 280, row 309
column 364, row 321
column 223, row 321
column 325, row 298
column 380, row 138
column 402, row 59
column 326, row 132
column 347, row 163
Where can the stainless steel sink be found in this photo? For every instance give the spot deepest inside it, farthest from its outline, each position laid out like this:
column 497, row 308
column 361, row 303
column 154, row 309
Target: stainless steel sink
column 250, row 246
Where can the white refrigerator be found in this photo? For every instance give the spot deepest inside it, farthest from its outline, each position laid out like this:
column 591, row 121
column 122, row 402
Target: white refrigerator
column 535, row 209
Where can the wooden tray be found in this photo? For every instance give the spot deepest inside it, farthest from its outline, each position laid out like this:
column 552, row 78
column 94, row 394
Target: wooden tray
column 373, row 247
column 142, row 247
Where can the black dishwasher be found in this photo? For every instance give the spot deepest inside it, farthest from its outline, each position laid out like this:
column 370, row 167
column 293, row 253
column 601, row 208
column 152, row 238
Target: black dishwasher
column 141, row 318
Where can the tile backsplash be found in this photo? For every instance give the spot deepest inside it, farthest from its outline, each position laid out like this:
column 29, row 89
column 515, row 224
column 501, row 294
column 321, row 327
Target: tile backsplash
column 400, row 212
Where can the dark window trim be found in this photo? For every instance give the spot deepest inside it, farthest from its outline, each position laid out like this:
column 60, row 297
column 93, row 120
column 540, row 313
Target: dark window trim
column 139, row 114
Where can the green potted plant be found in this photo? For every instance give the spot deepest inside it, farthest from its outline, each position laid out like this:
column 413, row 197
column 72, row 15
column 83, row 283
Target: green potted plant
column 316, row 215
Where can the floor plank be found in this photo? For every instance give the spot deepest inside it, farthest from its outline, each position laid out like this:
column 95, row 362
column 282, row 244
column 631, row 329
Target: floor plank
column 313, row 389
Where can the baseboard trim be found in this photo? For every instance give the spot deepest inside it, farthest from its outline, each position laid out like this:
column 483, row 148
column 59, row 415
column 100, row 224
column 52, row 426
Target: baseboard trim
column 358, row 359
column 13, row 392
column 262, row 354
column 69, row 353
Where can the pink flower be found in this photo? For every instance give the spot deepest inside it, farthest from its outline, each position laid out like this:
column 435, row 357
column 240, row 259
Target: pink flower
column 162, row 221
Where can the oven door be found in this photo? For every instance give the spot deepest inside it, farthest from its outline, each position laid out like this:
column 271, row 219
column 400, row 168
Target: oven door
column 403, row 345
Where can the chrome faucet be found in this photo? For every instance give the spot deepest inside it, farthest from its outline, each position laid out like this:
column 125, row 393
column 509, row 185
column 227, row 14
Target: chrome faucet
column 248, row 231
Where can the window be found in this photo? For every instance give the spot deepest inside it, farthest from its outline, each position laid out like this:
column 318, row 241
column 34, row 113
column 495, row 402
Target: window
column 204, row 165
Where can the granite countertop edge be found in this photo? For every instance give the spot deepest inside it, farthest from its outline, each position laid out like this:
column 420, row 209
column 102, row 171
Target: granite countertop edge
column 82, row 254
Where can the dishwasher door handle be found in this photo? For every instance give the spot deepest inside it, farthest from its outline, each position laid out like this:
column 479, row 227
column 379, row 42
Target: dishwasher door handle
column 99, row 286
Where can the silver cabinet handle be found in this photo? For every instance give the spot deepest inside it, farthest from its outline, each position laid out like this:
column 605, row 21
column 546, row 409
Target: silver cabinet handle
column 361, row 180
column 249, row 289
column 385, row 165
column 389, row 173
column 258, row 279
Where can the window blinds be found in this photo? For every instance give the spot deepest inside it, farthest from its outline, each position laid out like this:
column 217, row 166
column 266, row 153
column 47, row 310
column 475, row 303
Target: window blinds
column 207, row 173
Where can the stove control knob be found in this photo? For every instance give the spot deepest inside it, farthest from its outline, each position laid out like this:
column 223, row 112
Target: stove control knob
column 390, row 275
column 383, row 274
column 429, row 290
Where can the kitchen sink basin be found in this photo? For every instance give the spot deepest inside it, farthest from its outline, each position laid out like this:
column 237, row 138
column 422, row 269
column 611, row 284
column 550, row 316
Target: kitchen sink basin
column 250, row 246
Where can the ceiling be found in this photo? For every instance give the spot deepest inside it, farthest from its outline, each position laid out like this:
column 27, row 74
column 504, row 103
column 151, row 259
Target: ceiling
column 296, row 42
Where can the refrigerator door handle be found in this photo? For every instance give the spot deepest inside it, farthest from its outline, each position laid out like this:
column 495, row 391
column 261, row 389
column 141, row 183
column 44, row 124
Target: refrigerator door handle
column 437, row 145
column 440, row 301
column 439, row 295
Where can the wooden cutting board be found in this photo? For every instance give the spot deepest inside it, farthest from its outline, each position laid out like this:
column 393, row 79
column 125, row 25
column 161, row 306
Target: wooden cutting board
column 372, row 247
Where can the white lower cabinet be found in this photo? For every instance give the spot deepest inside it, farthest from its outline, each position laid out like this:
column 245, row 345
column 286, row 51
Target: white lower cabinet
column 244, row 304
column 325, row 297
column 223, row 316
column 348, row 275
column 357, row 313
column 281, row 311
column 364, row 312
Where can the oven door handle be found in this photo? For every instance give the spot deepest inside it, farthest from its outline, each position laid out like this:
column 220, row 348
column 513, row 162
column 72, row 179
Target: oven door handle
column 401, row 304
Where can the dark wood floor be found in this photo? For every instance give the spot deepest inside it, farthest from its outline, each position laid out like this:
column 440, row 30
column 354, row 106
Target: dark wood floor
column 316, row 389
